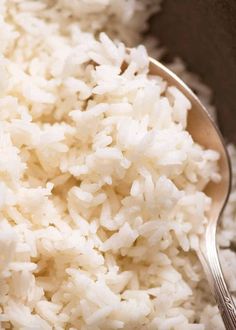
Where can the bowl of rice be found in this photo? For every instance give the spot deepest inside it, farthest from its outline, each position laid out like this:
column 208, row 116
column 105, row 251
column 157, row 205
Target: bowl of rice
column 102, row 201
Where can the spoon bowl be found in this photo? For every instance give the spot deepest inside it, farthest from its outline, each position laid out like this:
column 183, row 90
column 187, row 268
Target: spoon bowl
column 204, row 131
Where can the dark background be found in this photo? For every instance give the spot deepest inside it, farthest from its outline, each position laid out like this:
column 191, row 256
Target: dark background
column 203, row 34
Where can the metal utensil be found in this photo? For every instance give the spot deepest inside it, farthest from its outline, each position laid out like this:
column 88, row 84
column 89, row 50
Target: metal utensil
column 204, row 132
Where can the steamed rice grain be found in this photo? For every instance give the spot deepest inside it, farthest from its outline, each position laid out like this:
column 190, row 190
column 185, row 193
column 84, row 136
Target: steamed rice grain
column 101, row 190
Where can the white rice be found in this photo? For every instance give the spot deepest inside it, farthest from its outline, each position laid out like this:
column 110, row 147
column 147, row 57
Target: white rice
column 101, row 190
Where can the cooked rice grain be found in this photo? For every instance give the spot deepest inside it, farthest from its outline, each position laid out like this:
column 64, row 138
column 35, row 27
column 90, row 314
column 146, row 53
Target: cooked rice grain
column 101, row 192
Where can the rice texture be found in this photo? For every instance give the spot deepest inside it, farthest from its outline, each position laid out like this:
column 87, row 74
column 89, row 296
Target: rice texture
column 102, row 200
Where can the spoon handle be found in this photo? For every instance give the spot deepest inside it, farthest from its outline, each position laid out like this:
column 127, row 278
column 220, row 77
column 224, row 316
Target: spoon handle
column 210, row 262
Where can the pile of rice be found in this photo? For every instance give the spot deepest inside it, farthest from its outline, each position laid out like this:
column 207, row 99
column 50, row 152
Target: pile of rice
column 101, row 186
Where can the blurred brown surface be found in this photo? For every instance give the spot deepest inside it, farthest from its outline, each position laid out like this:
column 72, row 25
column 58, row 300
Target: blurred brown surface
column 203, row 34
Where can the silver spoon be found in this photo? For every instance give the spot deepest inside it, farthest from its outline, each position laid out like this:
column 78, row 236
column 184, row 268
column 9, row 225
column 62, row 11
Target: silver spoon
column 204, row 132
